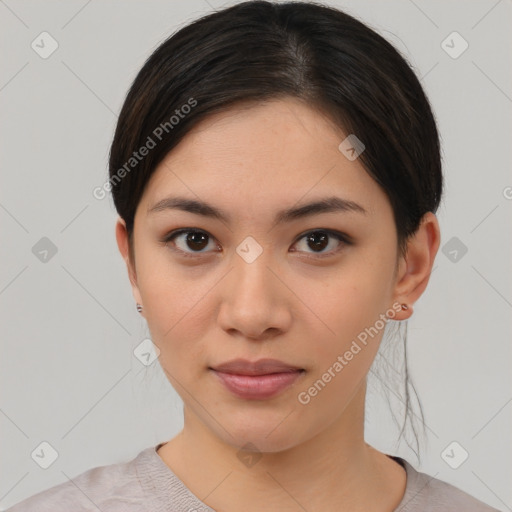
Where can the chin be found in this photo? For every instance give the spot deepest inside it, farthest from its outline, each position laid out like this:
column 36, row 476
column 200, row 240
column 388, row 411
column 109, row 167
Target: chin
column 271, row 432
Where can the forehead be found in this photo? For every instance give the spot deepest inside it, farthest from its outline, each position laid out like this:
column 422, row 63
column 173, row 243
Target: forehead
column 277, row 131
column 260, row 156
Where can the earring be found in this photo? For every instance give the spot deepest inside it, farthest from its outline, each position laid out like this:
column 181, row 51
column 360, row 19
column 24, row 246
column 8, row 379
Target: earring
column 139, row 308
column 405, row 307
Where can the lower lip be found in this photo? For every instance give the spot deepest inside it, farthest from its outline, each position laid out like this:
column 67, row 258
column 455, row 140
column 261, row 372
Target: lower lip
column 258, row 387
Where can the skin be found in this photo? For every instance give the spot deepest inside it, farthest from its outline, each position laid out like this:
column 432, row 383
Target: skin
column 288, row 304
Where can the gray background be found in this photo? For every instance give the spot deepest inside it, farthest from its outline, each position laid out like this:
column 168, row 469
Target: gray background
column 69, row 325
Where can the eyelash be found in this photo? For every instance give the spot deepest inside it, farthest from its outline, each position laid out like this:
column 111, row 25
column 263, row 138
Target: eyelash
column 344, row 239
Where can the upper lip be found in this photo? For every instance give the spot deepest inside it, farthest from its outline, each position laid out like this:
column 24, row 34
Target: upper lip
column 259, row 367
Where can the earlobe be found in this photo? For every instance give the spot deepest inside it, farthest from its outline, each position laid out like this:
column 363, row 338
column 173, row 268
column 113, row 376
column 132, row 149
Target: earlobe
column 124, row 249
column 416, row 266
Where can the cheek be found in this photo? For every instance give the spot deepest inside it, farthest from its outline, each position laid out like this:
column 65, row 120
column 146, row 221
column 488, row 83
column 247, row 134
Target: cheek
column 176, row 307
column 354, row 297
column 342, row 358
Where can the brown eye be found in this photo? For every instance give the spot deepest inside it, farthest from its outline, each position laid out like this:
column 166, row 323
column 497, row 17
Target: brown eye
column 196, row 241
column 189, row 241
column 317, row 241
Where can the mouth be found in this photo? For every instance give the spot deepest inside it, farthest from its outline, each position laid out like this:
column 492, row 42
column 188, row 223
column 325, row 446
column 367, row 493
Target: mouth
column 257, row 380
column 255, row 368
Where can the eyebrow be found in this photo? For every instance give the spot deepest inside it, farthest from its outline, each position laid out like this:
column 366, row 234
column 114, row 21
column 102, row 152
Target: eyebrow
column 324, row 205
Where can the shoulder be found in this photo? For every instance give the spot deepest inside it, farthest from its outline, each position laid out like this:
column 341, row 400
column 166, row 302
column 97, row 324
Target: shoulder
column 428, row 494
column 109, row 488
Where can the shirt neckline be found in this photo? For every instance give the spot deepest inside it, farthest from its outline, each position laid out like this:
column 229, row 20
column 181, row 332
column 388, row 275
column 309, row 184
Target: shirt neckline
column 167, row 493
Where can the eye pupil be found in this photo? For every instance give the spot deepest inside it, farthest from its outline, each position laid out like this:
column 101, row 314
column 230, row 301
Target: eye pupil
column 319, row 239
column 197, row 238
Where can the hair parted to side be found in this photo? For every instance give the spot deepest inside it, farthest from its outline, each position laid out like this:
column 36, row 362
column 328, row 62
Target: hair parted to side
column 256, row 51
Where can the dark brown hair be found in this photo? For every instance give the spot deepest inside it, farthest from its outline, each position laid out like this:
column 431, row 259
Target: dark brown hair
column 258, row 50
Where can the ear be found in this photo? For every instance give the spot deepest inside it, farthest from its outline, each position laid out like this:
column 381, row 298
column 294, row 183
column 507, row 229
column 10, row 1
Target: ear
column 124, row 249
column 415, row 267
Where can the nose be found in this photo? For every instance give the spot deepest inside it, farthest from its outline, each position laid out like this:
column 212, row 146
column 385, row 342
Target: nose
column 255, row 300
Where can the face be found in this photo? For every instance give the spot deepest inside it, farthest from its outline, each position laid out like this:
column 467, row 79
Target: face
column 310, row 290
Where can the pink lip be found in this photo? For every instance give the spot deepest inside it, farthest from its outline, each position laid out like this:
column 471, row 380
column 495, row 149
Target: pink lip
column 257, row 380
column 257, row 387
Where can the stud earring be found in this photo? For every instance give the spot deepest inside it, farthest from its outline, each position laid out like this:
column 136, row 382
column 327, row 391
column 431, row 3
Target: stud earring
column 139, row 307
column 405, row 307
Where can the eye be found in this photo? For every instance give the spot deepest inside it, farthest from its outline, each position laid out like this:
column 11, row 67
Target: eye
column 195, row 239
column 191, row 243
column 319, row 240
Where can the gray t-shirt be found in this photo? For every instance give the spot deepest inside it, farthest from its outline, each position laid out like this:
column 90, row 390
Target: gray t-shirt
column 147, row 484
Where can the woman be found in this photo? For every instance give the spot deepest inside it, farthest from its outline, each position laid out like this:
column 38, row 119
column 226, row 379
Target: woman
column 276, row 169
